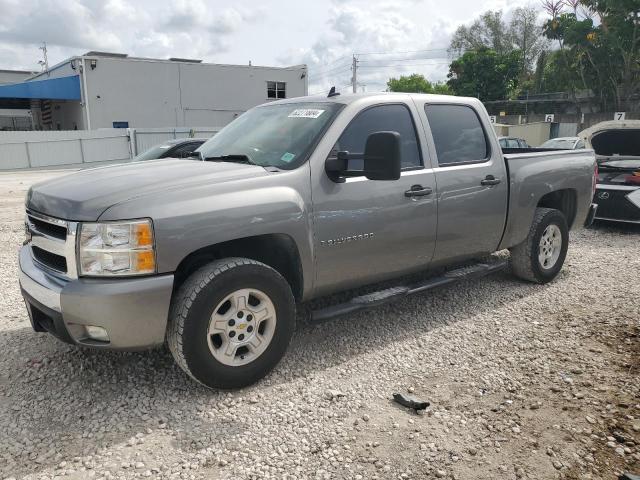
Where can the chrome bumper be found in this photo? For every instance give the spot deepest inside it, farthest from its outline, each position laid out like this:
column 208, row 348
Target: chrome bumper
column 132, row 311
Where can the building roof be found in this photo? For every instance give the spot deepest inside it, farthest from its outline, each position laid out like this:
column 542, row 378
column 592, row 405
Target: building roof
column 25, row 72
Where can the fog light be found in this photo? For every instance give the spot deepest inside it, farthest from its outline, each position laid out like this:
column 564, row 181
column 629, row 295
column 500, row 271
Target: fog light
column 96, row 333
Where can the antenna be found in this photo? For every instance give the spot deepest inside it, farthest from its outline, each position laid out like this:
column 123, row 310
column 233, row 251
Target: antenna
column 44, row 63
column 333, row 93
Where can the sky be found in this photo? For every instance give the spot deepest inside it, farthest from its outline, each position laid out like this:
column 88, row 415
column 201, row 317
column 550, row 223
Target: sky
column 389, row 37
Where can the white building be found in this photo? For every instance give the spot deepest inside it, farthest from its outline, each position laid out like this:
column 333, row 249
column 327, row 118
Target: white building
column 106, row 90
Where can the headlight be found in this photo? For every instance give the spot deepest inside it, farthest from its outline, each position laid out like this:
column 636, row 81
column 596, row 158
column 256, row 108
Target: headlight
column 118, row 248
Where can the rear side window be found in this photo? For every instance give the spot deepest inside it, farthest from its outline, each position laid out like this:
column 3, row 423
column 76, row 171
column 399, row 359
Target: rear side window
column 382, row 118
column 457, row 133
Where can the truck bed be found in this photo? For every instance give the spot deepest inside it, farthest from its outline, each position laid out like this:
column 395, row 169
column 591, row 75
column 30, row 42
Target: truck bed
column 533, row 173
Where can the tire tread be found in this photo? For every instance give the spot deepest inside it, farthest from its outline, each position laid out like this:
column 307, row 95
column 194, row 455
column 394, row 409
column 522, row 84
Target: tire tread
column 522, row 260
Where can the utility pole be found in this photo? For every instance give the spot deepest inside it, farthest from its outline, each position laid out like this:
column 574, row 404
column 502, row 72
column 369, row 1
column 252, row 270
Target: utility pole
column 44, row 63
column 354, row 78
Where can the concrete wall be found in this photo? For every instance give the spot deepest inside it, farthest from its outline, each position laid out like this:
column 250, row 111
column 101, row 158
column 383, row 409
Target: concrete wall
column 151, row 93
column 20, row 150
column 45, row 149
column 534, row 134
column 67, row 115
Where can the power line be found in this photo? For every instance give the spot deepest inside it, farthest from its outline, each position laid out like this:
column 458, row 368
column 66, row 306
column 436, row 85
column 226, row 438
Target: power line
column 386, row 60
column 404, row 52
column 331, row 71
column 406, row 65
column 336, row 60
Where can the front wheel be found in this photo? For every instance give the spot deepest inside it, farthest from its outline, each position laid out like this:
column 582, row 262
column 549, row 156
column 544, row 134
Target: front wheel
column 231, row 322
column 540, row 257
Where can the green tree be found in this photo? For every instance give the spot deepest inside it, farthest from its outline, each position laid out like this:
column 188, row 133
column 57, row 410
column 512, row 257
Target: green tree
column 416, row 83
column 491, row 30
column 599, row 41
column 488, row 31
column 485, row 74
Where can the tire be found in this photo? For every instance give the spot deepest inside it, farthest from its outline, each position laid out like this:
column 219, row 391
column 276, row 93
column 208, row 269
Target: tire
column 199, row 334
column 526, row 258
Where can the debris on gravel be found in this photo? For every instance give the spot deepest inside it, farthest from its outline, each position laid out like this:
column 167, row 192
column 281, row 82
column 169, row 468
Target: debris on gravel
column 410, row 402
column 525, row 381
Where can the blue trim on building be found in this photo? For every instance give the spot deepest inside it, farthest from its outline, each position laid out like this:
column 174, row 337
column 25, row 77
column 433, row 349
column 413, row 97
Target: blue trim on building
column 63, row 88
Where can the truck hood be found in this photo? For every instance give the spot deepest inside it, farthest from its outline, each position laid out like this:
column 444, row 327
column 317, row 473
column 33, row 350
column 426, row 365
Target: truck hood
column 85, row 195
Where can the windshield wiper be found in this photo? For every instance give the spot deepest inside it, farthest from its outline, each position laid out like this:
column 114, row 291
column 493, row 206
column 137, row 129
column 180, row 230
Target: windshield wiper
column 236, row 158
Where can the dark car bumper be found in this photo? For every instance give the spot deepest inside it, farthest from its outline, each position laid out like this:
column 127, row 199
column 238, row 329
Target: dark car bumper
column 618, row 203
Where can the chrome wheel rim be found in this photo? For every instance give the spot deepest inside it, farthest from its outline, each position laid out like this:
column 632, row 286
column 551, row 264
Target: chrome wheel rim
column 241, row 327
column 550, row 247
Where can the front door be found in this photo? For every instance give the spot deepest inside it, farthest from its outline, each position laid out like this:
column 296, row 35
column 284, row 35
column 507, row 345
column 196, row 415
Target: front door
column 369, row 230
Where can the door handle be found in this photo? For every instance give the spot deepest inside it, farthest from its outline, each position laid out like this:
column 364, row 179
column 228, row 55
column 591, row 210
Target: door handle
column 490, row 180
column 418, row 191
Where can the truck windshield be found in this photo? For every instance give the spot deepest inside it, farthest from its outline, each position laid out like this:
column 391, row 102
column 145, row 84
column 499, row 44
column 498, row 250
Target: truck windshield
column 280, row 135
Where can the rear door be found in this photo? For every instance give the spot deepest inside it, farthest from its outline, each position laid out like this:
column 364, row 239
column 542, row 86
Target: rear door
column 471, row 178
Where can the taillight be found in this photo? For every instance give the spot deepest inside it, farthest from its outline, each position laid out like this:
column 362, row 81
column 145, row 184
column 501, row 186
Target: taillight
column 595, row 179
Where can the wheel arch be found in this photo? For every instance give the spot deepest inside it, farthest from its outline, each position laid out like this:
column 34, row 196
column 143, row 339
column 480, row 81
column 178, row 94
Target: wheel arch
column 565, row 200
column 277, row 250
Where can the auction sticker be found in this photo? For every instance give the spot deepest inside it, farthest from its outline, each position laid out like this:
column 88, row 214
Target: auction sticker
column 306, row 113
column 287, row 157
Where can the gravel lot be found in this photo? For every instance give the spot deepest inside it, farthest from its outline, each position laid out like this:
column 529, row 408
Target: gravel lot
column 525, row 381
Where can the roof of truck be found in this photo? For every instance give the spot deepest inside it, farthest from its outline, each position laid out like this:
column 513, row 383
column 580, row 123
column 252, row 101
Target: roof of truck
column 347, row 98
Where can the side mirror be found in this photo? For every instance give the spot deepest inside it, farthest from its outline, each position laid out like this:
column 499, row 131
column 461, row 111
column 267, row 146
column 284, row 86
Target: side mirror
column 381, row 159
column 382, row 156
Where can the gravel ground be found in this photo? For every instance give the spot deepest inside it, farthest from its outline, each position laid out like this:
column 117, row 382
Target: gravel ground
column 525, row 381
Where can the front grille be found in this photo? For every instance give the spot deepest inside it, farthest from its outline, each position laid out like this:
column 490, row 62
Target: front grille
column 46, row 228
column 615, row 205
column 51, row 260
column 52, row 242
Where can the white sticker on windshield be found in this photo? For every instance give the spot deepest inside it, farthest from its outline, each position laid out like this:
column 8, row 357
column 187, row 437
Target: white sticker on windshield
column 306, row 113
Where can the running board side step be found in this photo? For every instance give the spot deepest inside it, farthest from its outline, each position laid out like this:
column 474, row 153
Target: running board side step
column 381, row 297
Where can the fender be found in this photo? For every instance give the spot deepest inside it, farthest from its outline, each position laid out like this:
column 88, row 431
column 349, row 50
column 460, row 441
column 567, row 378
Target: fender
column 185, row 221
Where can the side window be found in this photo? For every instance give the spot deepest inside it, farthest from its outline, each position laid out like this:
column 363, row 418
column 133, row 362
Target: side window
column 513, row 143
column 457, row 133
column 382, row 118
column 184, row 150
column 580, row 144
column 503, row 142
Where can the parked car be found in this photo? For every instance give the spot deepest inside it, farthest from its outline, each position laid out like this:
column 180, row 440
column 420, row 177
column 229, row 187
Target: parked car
column 617, row 148
column 564, row 143
column 178, row 148
column 292, row 201
column 512, row 142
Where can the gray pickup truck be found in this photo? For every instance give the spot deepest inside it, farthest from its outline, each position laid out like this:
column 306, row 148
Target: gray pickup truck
column 296, row 199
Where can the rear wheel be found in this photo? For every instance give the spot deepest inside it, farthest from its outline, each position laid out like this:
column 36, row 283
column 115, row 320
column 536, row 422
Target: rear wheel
column 231, row 322
column 541, row 256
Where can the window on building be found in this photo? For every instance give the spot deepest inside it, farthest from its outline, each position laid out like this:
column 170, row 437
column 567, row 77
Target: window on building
column 276, row 90
column 383, row 118
column 457, row 133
